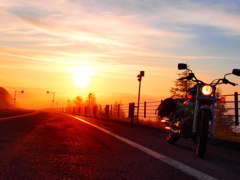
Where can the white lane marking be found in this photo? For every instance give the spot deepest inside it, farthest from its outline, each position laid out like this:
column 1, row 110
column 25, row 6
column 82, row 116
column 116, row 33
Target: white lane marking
column 18, row 116
column 184, row 168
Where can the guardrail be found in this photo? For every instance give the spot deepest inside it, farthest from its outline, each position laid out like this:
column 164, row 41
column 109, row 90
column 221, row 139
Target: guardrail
column 233, row 105
column 146, row 110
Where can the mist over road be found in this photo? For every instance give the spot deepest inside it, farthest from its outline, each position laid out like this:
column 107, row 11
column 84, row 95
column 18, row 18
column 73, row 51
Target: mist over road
column 48, row 145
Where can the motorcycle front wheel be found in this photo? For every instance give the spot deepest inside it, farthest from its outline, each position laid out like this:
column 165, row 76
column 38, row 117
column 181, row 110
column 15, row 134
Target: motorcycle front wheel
column 202, row 135
column 172, row 137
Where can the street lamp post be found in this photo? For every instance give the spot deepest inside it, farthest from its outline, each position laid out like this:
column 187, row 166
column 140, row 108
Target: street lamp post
column 139, row 76
column 15, row 98
column 48, row 92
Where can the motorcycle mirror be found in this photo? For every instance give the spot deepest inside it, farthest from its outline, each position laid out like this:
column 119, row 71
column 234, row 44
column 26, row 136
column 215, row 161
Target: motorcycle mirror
column 182, row 66
column 236, row 72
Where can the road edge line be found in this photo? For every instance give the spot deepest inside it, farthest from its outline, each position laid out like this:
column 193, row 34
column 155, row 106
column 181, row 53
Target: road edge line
column 18, row 116
column 182, row 167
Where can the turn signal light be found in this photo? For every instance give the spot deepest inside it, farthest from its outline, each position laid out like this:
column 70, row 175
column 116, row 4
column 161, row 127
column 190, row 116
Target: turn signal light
column 167, row 127
column 222, row 99
column 189, row 96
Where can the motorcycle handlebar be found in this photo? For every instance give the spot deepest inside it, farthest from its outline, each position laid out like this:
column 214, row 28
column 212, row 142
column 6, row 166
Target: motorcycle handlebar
column 225, row 81
column 234, row 84
column 189, row 77
column 180, row 79
column 192, row 77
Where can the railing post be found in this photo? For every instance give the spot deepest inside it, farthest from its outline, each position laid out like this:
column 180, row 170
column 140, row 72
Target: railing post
column 79, row 111
column 236, row 108
column 131, row 112
column 95, row 109
column 100, row 110
column 145, row 109
column 86, row 111
column 107, row 111
column 111, row 108
column 118, row 112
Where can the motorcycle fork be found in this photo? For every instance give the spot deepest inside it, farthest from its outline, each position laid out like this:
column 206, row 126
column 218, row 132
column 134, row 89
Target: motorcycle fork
column 213, row 113
column 196, row 111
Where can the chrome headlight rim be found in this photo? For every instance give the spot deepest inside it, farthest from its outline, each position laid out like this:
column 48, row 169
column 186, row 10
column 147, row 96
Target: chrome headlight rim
column 207, row 90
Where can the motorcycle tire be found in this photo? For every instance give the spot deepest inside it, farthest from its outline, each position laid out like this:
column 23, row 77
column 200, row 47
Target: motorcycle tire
column 202, row 135
column 172, row 138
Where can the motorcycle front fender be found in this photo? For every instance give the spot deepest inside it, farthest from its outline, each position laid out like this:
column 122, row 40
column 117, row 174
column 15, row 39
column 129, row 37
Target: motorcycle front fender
column 196, row 115
column 209, row 108
column 206, row 107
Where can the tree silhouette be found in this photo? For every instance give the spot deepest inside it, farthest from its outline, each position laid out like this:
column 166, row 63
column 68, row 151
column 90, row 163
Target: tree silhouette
column 91, row 99
column 180, row 89
column 78, row 101
column 117, row 110
column 223, row 123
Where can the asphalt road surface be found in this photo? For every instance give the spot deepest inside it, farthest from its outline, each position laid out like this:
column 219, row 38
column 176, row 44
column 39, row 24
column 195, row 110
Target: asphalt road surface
column 46, row 145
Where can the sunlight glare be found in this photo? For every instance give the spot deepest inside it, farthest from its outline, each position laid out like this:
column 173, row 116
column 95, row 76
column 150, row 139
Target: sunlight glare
column 82, row 75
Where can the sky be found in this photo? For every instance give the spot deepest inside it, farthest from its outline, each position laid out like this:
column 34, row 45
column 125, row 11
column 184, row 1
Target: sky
column 74, row 47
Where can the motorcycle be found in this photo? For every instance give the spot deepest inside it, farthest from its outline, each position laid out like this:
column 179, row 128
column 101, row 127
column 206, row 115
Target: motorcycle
column 194, row 117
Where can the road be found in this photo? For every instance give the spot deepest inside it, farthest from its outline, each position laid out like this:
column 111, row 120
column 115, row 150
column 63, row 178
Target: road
column 46, row 145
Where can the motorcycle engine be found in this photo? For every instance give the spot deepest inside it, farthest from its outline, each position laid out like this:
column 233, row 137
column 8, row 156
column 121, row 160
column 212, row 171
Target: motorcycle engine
column 186, row 127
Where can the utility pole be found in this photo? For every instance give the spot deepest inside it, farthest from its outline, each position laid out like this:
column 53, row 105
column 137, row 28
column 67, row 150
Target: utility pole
column 52, row 98
column 139, row 76
column 15, row 98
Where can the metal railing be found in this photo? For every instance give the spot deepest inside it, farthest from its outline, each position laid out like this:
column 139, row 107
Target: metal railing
column 233, row 106
column 147, row 110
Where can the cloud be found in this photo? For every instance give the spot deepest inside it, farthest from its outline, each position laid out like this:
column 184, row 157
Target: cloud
column 222, row 16
column 106, row 27
column 117, row 36
column 63, row 32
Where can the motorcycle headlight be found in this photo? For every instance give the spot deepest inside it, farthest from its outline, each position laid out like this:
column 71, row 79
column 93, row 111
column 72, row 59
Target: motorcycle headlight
column 207, row 90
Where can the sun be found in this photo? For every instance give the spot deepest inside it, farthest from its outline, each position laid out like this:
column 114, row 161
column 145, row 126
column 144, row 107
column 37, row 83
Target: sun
column 81, row 80
column 82, row 75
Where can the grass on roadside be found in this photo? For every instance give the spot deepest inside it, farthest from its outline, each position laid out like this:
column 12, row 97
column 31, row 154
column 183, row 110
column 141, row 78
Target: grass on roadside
column 228, row 136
